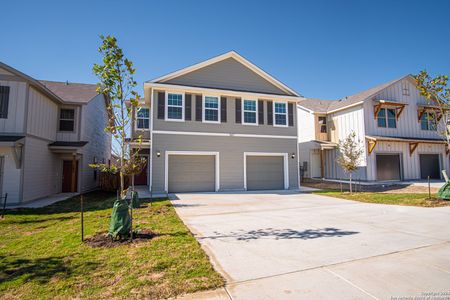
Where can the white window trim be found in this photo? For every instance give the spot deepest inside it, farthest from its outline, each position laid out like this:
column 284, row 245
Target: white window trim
column 136, row 119
column 166, row 108
column 274, row 113
column 285, row 165
column 242, row 112
column 218, row 109
column 74, row 119
column 166, row 165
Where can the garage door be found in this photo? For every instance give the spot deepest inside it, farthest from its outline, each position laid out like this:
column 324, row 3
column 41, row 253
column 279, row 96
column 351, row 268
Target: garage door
column 429, row 166
column 191, row 173
column 388, row 167
column 265, row 173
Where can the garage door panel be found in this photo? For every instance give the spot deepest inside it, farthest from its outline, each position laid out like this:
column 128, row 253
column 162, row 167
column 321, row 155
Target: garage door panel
column 265, row 172
column 429, row 166
column 191, row 173
column 388, row 167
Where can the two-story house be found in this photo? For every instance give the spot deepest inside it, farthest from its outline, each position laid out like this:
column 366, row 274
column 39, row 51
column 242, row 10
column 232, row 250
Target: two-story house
column 49, row 134
column 393, row 123
column 219, row 125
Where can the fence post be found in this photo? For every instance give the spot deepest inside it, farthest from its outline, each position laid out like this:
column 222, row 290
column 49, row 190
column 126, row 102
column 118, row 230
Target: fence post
column 429, row 188
column 4, row 205
column 82, row 218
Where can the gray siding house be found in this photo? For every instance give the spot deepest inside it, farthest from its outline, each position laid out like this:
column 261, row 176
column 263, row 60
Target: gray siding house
column 220, row 125
column 49, row 134
column 394, row 125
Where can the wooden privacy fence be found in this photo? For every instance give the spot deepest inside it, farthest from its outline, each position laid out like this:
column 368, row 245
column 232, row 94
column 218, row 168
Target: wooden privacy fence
column 111, row 182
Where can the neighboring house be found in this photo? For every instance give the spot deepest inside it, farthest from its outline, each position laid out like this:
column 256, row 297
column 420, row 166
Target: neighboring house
column 49, row 134
column 400, row 141
column 220, row 125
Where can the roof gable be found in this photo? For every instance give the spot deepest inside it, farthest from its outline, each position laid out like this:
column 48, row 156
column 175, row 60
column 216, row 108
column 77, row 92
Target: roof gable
column 228, row 71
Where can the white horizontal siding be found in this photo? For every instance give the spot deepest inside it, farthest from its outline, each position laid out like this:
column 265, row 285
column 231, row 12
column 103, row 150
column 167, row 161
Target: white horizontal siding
column 16, row 107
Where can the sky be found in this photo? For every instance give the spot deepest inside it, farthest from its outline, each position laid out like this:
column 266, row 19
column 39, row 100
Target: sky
column 321, row 49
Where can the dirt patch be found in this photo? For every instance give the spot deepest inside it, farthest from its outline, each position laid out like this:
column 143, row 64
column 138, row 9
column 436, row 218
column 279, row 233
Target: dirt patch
column 382, row 188
column 102, row 240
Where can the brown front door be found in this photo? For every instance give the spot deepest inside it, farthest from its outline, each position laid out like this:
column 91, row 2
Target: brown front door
column 68, row 173
column 141, row 178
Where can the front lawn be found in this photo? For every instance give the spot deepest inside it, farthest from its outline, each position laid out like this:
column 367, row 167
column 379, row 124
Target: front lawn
column 410, row 199
column 41, row 256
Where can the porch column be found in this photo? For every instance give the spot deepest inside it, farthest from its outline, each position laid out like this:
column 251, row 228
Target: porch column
column 322, row 164
column 73, row 187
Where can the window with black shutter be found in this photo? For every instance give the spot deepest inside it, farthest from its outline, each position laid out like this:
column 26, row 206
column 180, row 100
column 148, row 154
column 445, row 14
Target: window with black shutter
column 66, row 119
column 4, row 101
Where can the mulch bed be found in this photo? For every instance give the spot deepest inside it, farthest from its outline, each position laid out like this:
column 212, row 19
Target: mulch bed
column 102, row 240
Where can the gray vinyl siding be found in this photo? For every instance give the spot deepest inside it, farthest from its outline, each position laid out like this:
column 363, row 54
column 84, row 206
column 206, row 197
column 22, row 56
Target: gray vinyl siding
column 332, row 169
column 228, row 74
column 74, row 135
column 95, row 119
column 16, row 108
column 42, row 176
column 11, row 175
column 231, row 156
column 229, row 127
column 42, row 115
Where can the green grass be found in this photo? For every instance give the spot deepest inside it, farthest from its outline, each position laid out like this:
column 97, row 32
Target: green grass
column 41, row 256
column 409, row 199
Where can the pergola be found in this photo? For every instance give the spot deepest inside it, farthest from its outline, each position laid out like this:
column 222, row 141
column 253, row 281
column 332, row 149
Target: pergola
column 379, row 104
column 413, row 142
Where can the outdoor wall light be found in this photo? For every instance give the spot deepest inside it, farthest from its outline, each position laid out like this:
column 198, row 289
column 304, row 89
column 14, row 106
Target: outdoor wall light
column 158, row 153
column 293, row 155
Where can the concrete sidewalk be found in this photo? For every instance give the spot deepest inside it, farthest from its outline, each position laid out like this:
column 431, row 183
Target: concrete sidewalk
column 305, row 246
column 43, row 201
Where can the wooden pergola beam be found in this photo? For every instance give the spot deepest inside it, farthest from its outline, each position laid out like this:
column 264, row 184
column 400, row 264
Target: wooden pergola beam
column 371, row 145
column 412, row 147
column 377, row 109
column 399, row 107
column 399, row 111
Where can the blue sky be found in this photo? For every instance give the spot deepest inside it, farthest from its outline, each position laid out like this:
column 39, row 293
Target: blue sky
column 322, row 49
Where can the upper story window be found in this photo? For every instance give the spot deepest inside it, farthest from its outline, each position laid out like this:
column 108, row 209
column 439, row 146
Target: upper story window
column 387, row 118
column 4, row 101
column 249, row 111
column 175, row 107
column 323, row 124
column 211, row 111
column 66, row 119
column 280, row 114
column 143, row 118
column 428, row 121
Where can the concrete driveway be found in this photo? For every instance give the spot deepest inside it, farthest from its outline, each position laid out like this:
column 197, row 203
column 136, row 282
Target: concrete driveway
column 293, row 245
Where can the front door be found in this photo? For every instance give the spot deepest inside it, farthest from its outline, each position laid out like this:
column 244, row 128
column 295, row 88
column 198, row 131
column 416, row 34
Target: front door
column 141, row 178
column 69, row 173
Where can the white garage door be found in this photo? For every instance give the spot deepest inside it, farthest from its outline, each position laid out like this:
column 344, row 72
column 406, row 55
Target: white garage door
column 265, row 172
column 191, row 173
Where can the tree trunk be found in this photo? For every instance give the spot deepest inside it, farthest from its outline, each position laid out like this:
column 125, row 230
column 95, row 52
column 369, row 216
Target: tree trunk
column 350, row 175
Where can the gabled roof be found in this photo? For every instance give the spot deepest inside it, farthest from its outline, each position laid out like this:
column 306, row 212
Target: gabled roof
column 328, row 106
column 231, row 54
column 79, row 93
column 316, row 105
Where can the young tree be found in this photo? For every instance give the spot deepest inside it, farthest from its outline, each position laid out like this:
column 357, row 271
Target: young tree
column 437, row 93
column 350, row 154
column 117, row 84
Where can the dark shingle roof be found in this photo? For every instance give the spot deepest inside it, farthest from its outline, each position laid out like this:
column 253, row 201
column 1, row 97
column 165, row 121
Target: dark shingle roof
column 10, row 138
column 68, row 144
column 72, row 92
column 318, row 105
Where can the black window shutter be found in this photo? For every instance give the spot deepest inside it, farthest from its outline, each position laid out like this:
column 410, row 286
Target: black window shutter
column 161, row 105
column 4, row 101
column 269, row 113
column 261, row 112
column 223, row 109
column 291, row 114
column 198, row 108
column 188, row 107
column 238, row 110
